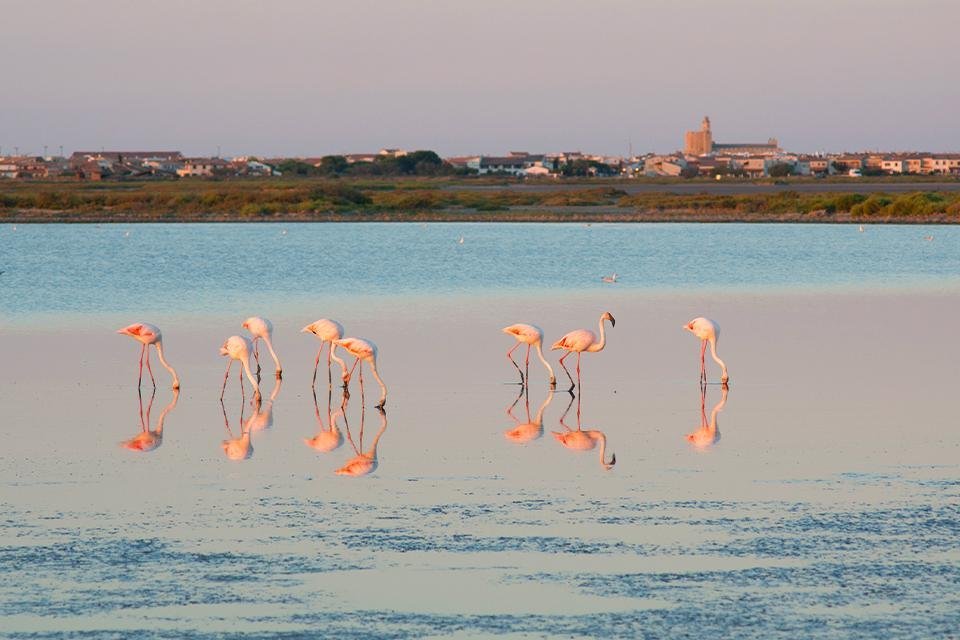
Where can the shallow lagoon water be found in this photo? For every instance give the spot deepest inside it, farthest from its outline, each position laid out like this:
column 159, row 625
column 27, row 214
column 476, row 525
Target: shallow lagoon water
column 828, row 507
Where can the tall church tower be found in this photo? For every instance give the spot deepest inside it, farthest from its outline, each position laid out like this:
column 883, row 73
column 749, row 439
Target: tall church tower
column 698, row 143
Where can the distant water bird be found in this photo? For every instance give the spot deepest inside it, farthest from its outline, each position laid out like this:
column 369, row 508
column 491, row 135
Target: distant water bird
column 531, row 429
column 709, row 432
column 928, row 238
column 365, row 462
column 238, row 348
column 707, row 331
column 861, row 229
column 530, row 335
column 460, row 240
column 284, row 232
column 364, row 350
column 581, row 340
column 262, row 329
column 148, row 440
column 147, row 334
column 126, row 234
column 580, row 440
column 327, row 331
column 611, row 278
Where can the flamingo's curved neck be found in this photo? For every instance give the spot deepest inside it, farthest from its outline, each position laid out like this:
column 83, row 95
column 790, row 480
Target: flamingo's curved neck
column 253, row 381
column 716, row 358
column 272, row 352
column 163, row 361
column 553, row 378
column 543, row 408
column 598, row 346
column 603, row 449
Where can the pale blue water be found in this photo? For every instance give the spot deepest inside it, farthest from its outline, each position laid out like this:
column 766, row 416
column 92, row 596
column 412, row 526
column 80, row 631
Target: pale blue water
column 218, row 267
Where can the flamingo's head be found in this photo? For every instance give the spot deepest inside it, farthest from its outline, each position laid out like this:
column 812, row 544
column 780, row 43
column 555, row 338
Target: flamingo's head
column 246, row 325
column 223, row 348
column 609, row 316
column 689, row 326
column 310, row 328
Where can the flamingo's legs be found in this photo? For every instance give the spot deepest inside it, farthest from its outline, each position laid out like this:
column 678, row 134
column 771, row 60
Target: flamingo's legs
column 329, row 372
column 225, row 375
column 140, row 377
column 578, row 381
column 316, row 365
column 703, row 362
column 527, row 361
column 567, row 371
column 256, row 356
column 361, row 392
column 510, row 358
column 149, row 368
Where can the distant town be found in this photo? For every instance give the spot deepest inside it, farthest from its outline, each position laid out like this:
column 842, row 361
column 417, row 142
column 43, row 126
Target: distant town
column 701, row 157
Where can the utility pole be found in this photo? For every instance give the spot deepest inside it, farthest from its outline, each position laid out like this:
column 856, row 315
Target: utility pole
column 44, row 152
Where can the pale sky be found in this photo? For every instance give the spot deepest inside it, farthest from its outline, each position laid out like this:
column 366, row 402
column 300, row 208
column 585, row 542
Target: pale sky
column 302, row 77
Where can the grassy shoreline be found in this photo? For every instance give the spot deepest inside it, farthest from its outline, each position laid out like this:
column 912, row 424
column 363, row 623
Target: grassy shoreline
column 445, row 200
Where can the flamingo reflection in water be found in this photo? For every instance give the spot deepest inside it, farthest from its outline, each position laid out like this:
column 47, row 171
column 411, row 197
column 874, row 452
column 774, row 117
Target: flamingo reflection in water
column 709, row 432
column 326, row 439
column 238, row 448
column 531, row 429
column 365, row 462
column 148, row 440
column 580, row 440
column 262, row 417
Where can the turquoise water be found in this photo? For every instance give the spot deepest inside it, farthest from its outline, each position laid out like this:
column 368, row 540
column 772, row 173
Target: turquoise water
column 219, row 267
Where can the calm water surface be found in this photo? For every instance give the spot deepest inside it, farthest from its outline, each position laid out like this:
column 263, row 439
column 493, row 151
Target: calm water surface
column 823, row 500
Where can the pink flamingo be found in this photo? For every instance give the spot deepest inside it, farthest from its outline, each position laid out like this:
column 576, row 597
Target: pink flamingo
column 364, row 350
column 148, row 440
column 365, row 462
column 581, row 340
column 581, row 440
column 327, row 331
column 708, row 331
column 531, row 429
column 238, row 348
column 530, row 335
column 262, row 329
column 147, row 334
column 709, row 432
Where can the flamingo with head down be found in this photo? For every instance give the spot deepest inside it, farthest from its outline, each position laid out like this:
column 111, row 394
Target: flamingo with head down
column 531, row 429
column 709, row 332
column 531, row 335
column 365, row 462
column 238, row 348
column 327, row 331
column 147, row 334
column 367, row 351
column 262, row 329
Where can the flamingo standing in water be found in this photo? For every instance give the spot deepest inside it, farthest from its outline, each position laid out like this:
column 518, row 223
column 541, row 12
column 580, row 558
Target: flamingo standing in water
column 530, row 335
column 148, row 334
column 238, row 348
column 262, row 329
column 327, row 331
column 581, row 340
column 364, row 350
column 708, row 331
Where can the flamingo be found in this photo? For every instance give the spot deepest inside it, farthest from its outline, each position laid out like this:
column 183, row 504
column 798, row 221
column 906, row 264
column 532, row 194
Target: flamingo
column 532, row 429
column 530, row 335
column 148, row 440
column 326, row 440
column 261, row 328
column 708, row 331
column 365, row 462
column 364, row 350
column 238, row 348
column 581, row 440
column 611, row 278
column 327, row 331
column 581, row 340
column 147, row 334
column 709, row 432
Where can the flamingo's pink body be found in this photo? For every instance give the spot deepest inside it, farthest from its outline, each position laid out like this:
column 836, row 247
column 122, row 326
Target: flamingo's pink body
column 262, row 329
column 532, row 336
column 147, row 334
column 238, row 348
column 327, row 331
column 367, row 351
column 581, row 340
column 707, row 331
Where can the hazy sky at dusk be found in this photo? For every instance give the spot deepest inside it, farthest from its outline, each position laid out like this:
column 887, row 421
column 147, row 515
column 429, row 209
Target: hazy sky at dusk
column 302, row 77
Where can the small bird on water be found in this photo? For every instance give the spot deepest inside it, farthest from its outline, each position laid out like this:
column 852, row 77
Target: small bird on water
column 612, row 278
